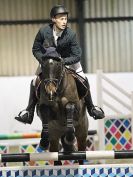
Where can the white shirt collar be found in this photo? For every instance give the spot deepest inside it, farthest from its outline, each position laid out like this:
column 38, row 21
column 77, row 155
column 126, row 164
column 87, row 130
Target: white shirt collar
column 56, row 35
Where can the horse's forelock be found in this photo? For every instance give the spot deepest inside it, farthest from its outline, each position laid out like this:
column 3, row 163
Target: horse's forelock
column 52, row 68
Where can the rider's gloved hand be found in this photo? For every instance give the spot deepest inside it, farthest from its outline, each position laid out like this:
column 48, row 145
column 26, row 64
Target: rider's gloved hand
column 51, row 53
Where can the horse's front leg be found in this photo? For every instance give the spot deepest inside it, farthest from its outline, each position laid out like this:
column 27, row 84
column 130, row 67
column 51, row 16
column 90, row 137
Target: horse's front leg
column 81, row 133
column 44, row 116
column 54, row 147
column 69, row 138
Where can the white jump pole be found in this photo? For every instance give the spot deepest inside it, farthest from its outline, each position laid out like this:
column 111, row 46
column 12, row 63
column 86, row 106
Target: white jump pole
column 55, row 156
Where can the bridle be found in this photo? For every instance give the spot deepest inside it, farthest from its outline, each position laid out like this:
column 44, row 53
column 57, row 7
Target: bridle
column 52, row 85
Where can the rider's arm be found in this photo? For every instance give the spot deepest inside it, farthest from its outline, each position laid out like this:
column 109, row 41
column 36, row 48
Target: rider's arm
column 75, row 52
column 38, row 49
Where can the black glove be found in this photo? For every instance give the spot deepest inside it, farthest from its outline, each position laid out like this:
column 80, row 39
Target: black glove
column 51, row 53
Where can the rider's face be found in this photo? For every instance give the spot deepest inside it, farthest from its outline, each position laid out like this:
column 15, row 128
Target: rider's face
column 60, row 21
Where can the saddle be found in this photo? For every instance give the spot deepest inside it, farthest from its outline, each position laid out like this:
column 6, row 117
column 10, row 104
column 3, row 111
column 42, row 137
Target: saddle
column 80, row 83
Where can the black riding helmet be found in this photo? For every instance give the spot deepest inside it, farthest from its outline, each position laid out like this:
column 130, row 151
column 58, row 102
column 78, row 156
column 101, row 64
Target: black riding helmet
column 58, row 9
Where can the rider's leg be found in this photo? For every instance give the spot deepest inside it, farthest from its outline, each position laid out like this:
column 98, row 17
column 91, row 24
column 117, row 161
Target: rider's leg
column 27, row 116
column 96, row 114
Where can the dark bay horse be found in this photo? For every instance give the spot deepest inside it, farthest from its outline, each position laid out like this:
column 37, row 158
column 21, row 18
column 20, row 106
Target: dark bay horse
column 62, row 112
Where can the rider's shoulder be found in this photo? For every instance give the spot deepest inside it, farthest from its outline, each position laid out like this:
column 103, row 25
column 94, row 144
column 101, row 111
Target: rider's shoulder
column 45, row 28
column 69, row 31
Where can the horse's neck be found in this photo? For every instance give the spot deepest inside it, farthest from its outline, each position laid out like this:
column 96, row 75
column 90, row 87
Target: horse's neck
column 69, row 82
column 64, row 81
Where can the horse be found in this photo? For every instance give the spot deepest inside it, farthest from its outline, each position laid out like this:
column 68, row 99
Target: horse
column 60, row 108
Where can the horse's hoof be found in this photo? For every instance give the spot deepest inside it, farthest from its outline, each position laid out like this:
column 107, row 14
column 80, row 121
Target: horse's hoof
column 81, row 162
column 56, row 163
column 44, row 144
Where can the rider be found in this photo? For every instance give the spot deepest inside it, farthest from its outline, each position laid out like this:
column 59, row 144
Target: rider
column 64, row 41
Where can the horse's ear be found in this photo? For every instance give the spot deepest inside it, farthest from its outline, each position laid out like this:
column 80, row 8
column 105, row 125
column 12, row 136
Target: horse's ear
column 59, row 59
column 62, row 60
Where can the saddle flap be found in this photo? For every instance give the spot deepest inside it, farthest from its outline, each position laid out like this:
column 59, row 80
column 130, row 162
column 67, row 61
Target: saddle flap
column 81, row 87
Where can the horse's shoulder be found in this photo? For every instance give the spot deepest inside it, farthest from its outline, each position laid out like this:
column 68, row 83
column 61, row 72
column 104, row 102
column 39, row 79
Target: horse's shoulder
column 70, row 75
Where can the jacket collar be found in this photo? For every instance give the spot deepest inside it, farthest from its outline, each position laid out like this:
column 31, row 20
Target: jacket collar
column 50, row 31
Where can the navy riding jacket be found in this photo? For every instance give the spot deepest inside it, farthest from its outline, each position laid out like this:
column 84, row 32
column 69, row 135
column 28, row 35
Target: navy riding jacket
column 67, row 45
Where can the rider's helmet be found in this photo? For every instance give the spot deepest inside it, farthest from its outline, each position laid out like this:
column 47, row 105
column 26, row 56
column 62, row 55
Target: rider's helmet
column 58, row 9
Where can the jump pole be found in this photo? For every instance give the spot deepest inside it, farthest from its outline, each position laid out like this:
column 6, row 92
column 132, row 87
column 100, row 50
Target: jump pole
column 55, row 156
column 31, row 135
column 19, row 136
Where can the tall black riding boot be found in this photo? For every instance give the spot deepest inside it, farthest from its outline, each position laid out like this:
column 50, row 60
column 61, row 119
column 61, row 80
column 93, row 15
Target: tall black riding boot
column 93, row 112
column 27, row 115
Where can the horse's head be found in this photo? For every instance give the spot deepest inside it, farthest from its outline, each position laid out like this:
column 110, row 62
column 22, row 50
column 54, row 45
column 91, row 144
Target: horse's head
column 52, row 74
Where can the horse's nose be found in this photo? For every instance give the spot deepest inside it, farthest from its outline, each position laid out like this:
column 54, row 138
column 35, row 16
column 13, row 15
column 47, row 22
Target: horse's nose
column 51, row 96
